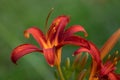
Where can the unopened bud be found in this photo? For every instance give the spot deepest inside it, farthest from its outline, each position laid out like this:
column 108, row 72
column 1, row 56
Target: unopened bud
column 67, row 62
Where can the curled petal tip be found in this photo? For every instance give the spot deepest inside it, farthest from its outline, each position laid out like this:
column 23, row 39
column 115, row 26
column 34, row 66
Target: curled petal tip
column 13, row 60
column 86, row 34
column 26, row 34
column 22, row 50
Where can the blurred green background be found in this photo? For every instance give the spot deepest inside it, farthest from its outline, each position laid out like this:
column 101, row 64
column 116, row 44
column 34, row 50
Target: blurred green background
column 99, row 17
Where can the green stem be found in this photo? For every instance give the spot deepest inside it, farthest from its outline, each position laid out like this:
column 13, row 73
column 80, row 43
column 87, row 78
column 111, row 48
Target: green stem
column 60, row 73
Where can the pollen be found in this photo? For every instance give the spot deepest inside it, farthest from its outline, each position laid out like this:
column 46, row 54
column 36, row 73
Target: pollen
column 54, row 30
column 116, row 57
column 55, row 24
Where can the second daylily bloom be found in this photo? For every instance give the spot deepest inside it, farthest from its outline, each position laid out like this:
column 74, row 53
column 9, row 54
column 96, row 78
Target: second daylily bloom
column 51, row 43
column 107, row 71
column 100, row 70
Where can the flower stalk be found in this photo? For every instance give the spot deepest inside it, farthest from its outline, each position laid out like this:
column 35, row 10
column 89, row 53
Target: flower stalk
column 58, row 67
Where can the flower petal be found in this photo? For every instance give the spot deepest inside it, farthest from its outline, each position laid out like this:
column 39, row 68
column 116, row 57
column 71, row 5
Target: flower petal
column 57, row 28
column 80, row 50
column 37, row 34
column 22, row 50
column 107, row 68
column 73, row 29
column 93, row 51
column 50, row 56
column 76, row 40
column 113, row 76
column 93, row 71
column 95, row 60
column 110, row 43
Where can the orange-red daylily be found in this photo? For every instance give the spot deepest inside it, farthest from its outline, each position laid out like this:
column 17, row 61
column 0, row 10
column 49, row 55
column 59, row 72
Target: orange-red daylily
column 51, row 43
column 107, row 70
column 100, row 70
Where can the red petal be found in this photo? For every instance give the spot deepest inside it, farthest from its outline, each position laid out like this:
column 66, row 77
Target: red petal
column 37, row 34
column 57, row 28
column 117, row 76
column 73, row 29
column 76, row 40
column 113, row 76
column 81, row 50
column 22, row 50
column 93, row 51
column 107, row 68
column 50, row 56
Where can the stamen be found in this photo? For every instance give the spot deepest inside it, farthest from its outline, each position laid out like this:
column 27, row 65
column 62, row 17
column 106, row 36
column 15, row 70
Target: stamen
column 115, row 62
column 115, row 59
column 114, row 56
column 46, row 22
column 109, row 56
column 116, row 53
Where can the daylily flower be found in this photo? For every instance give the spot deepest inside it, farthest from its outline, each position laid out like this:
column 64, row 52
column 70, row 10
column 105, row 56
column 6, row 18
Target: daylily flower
column 100, row 70
column 107, row 71
column 51, row 43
